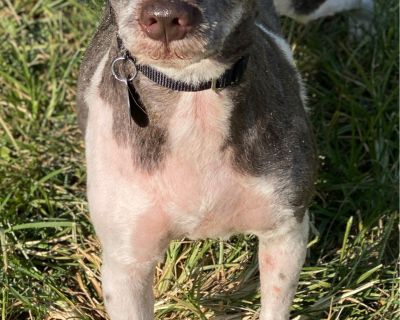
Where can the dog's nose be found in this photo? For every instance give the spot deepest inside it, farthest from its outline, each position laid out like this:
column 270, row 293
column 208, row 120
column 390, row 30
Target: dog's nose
column 168, row 20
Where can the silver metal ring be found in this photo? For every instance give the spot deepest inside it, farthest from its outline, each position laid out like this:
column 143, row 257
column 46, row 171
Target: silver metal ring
column 118, row 77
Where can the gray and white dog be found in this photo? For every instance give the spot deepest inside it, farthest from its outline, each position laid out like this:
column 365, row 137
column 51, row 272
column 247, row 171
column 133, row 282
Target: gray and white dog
column 194, row 124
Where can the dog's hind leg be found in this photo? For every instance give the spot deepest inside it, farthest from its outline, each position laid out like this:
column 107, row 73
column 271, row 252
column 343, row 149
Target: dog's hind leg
column 281, row 257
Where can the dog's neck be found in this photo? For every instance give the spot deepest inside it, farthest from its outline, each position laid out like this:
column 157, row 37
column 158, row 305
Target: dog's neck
column 231, row 77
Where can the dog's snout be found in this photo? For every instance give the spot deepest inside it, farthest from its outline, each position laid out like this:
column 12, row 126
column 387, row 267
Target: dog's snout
column 168, row 20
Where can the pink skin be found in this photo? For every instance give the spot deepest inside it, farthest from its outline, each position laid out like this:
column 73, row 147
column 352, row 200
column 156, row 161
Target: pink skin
column 195, row 193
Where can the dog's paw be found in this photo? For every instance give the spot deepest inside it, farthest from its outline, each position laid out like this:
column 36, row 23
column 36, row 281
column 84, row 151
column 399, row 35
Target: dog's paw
column 361, row 22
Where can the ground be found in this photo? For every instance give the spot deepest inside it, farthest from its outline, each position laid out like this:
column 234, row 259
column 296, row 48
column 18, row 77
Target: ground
column 50, row 258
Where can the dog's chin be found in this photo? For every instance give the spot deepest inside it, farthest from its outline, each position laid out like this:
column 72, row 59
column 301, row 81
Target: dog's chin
column 177, row 54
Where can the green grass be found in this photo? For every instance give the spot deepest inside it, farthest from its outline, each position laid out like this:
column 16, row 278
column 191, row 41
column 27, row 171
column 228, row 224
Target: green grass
column 49, row 255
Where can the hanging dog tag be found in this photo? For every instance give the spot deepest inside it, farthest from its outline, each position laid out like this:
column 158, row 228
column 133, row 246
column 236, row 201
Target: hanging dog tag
column 136, row 109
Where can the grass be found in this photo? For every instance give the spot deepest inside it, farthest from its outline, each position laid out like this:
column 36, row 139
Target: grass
column 49, row 255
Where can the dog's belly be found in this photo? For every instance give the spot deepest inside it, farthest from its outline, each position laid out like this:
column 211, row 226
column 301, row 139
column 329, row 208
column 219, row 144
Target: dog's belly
column 211, row 200
column 195, row 192
column 197, row 201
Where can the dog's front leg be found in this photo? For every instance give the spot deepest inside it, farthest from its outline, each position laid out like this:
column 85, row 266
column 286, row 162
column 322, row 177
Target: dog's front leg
column 281, row 258
column 128, row 290
column 130, row 253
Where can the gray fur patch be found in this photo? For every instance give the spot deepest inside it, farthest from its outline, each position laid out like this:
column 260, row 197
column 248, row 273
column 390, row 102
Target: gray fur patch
column 148, row 144
column 270, row 133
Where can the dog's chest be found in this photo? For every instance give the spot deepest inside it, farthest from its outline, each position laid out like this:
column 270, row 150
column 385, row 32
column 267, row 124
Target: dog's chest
column 199, row 186
column 195, row 186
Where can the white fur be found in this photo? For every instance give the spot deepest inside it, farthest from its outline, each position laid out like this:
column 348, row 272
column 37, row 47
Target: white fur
column 331, row 7
column 281, row 257
column 204, row 70
column 280, row 42
column 115, row 203
column 283, row 7
column 110, row 207
column 328, row 8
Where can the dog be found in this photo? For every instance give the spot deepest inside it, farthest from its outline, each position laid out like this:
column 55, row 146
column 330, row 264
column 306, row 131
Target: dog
column 194, row 120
